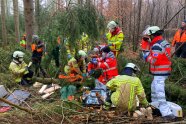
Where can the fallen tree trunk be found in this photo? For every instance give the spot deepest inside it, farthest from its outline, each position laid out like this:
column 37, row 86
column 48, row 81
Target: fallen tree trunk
column 14, row 105
column 61, row 82
column 87, row 82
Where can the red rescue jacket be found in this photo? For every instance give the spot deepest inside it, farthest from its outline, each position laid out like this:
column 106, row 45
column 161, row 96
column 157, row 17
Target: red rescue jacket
column 159, row 57
column 109, row 66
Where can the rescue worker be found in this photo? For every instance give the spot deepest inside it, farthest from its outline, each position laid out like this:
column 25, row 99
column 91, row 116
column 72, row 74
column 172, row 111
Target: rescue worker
column 115, row 37
column 125, row 88
column 160, row 68
column 84, row 42
column 109, row 64
column 23, row 41
column 179, row 41
column 82, row 60
column 20, row 70
column 37, row 47
column 55, row 52
column 75, row 65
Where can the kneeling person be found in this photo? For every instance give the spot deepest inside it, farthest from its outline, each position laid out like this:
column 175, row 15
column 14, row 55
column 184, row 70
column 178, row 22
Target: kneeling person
column 19, row 69
column 125, row 88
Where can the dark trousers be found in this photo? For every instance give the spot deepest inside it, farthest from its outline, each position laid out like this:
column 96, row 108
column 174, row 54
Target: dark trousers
column 181, row 52
column 26, row 78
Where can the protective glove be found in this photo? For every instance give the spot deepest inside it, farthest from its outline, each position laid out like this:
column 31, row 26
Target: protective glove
column 145, row 54
column 94, row 61
column 30, row 63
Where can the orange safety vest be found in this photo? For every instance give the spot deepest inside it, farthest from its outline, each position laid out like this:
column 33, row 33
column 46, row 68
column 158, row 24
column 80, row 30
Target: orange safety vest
column 34, row 47
column 159, row 57
column 180, row 36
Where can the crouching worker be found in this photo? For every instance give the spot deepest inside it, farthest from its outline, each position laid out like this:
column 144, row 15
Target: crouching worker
column 125, row 88
column 20, row 69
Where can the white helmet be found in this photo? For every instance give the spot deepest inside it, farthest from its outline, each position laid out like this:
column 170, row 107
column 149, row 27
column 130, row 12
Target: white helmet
column 111, row 25
column 35, row 38
column 82, row 53
column 18, row 54
column 133, row 66
column 151, row 30
column 96, row 49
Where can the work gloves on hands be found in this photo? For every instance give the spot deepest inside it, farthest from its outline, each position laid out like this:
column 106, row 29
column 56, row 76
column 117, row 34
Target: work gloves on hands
column 94, row 61
column 145, row 54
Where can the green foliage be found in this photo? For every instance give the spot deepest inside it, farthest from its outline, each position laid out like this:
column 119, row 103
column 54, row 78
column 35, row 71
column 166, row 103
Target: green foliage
column 7, row 80
column 178, row 70
column 176, row 93
column 121, row 61
column 146, row 82
column 70, row 25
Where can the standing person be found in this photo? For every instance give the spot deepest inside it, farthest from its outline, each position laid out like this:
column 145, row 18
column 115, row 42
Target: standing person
column 179, row 41
column 23, row 41
column 115, row 37
column 160, row 68
column 37, row 47
column 20, row 70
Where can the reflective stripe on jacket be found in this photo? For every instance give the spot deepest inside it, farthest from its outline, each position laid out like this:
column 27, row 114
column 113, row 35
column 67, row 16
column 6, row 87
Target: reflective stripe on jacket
column 109, row 67
column 116, row 40
column 126, row 89
column 180, row 36
column 18, row 70
column 159, row 58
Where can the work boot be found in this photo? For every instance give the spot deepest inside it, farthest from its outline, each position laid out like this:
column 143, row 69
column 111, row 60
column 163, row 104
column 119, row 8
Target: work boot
column 170, row 117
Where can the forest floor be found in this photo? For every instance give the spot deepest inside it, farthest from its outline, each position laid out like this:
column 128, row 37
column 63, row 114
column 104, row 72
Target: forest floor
column 55, row 111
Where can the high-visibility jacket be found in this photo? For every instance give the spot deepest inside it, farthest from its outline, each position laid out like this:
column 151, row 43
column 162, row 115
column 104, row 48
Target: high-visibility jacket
column 159, row 57
column 72, row 65
column 91, row 66
column 116, row 39
column 18, row 70
column 82, row 66
column 70, row 50
column 109, row 66
column 84, row 43
column 180, row 36
column 145, row 46
column 126, row 89
column 23, row 43
column 35, row 47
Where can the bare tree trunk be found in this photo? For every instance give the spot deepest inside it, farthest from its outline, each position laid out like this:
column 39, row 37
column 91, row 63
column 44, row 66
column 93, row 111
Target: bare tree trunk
column 37, row 14
column 138, row 24
column 29, row 19
column 152, row 11
column 80, row 2
column 16, row 20
column 3, row 19
column 101, row 6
